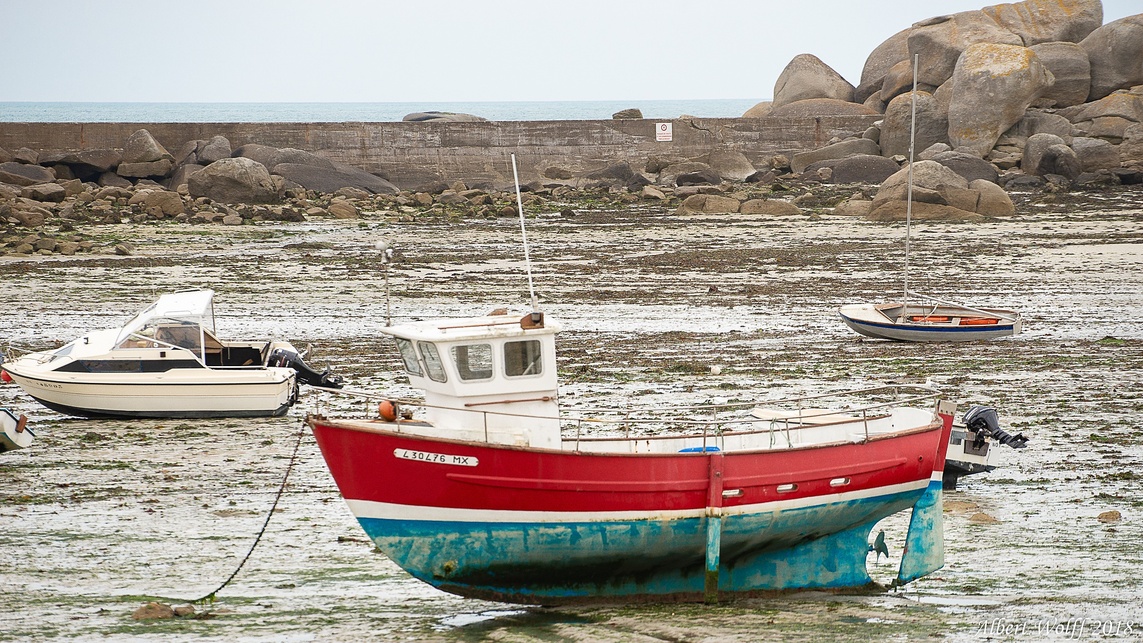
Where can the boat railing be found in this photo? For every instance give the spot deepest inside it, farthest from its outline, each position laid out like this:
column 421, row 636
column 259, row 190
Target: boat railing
column 601, row 425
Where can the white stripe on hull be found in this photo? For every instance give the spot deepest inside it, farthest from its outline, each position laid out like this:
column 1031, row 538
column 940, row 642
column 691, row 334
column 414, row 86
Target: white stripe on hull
column 390, row 511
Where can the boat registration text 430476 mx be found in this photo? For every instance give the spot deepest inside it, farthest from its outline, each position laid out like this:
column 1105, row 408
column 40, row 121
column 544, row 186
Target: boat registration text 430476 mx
column 437, row 458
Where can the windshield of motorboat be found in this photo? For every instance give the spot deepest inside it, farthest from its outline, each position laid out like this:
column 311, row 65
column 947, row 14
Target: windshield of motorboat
column 63, row 351
column 189, row 307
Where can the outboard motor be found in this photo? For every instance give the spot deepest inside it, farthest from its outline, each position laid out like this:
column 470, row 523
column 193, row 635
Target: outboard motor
column 284, row 358
column 984, row 421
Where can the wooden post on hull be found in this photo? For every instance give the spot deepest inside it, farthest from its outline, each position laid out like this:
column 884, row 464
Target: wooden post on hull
column 713, row 528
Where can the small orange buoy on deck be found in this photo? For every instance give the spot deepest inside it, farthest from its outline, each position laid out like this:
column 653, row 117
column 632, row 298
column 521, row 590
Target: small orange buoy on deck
column 387, row 409
column 5, row 376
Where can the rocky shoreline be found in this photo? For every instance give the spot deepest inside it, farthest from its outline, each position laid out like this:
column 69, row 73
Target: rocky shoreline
column 1034, row 96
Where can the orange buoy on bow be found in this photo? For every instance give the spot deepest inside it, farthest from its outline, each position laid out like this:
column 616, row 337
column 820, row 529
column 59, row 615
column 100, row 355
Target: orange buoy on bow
column 387, row 409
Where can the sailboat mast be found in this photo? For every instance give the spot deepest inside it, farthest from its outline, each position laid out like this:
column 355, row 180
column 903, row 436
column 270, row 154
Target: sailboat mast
column 909, row 193
column 524, row 236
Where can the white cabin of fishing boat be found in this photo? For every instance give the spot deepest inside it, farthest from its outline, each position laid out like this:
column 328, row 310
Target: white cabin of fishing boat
column 489, row 378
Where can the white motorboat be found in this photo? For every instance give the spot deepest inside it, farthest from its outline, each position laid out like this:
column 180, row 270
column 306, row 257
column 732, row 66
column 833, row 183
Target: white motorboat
column 14, row 432
column 167, row 362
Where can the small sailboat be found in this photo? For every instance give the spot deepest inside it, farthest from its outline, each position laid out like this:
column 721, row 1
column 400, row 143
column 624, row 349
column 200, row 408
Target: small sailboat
column 925, row 318
column 14, row 431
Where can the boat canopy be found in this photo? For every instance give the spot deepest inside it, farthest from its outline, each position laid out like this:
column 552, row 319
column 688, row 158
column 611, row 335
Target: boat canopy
column 184, row 319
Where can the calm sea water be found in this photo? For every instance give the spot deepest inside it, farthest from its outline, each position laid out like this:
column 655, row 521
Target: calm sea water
column 18, row 112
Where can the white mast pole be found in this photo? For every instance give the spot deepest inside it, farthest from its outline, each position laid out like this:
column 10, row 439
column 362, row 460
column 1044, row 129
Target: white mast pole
column 909, row 193
column 524, row 236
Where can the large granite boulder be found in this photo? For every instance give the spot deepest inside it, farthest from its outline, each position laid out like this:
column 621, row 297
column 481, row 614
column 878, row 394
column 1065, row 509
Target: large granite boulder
column 899, row 80
column 761, row 110
column 620, row 171
column 806, row 77
column 1095, row 154
column 84, row 163
column 769, row 207
column 814, row 107
column 730, row 165
column 972, row 168
column 868, row 169
column 447, row 117
column 271, row 157
column 938, row 194
column 1071, row 70
column 46, row 192
column 158, row 203
column 708, row 204
column 150, row 169
column 669, row 174
column 264, row 154
column 992, row 87
column 1115, row 51
column 234, row 180
column 1109, row 116
column 141, row 147
column 1040, row 122
column 23, row 174
column 839, row 150
column 332, row 179
column 940, row 42
column 1039, row 21
column 993, row 200
column 216, row 149
column 880, row 61
column 1060, row 160
column 1131, row 149
column 932, row 124
column 182, row 174
column 300, row 157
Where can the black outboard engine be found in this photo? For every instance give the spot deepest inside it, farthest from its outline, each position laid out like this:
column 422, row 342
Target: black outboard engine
column 984, row 421
column 306, row 375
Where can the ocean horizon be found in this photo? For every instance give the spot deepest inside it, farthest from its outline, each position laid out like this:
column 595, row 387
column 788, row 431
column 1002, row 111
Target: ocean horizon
column 97, row 112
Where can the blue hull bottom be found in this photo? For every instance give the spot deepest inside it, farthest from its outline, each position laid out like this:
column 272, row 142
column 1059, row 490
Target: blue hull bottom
column 823, row 546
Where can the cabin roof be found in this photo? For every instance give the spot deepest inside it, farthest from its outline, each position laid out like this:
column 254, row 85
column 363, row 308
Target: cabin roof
column 191, row 306
column 471, row 328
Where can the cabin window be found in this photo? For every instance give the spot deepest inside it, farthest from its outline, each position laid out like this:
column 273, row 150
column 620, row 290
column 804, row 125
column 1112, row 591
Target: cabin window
column 409, row 356
column 522, row 358
column 433, row 365
column 473, row 361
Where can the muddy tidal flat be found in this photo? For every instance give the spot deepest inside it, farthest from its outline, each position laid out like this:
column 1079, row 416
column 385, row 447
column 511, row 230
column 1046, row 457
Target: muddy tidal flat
column 99, row 517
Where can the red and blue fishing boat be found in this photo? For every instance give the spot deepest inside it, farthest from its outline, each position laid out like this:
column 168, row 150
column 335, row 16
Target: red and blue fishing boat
column 488, row 488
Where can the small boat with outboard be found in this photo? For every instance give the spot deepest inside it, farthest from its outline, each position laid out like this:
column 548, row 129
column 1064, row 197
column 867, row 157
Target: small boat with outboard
column 166, row 362
column 14, row 431
column 972, row 445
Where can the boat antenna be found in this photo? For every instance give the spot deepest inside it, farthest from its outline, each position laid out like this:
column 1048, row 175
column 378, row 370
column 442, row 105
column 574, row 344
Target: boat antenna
column 386, row 250
column 909, row 191
column 524, row 236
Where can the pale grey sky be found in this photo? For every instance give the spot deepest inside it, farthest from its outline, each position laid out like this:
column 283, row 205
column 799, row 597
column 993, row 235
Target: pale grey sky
column 436, row 50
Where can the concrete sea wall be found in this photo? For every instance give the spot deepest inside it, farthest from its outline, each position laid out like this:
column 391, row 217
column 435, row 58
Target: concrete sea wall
column 411, row 154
